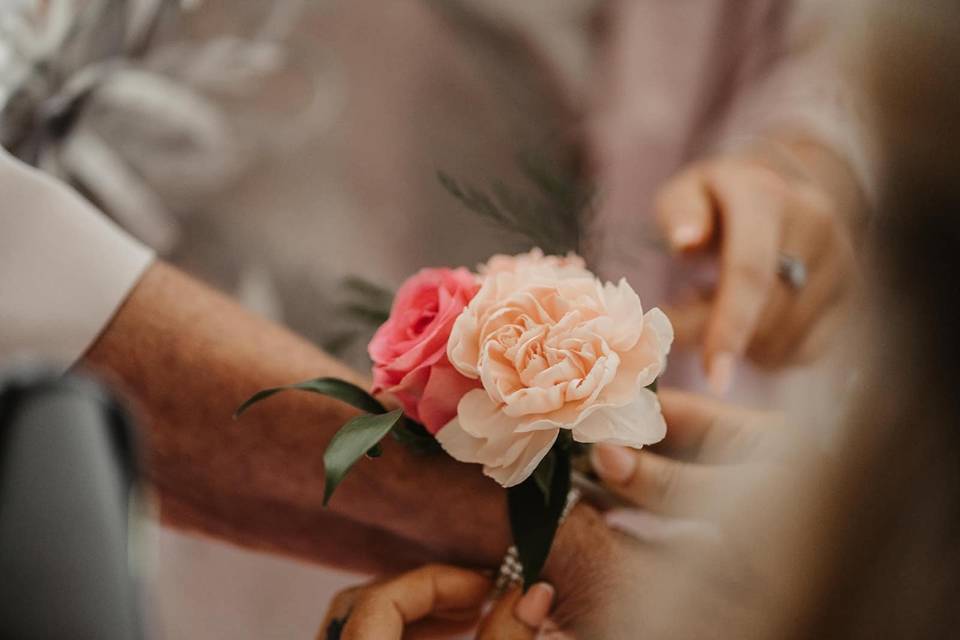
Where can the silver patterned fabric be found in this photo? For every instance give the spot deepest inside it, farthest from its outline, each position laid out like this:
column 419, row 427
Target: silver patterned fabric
column 92, row 92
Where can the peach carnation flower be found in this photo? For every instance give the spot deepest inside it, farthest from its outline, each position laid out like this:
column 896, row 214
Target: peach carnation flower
column 553, row 348
column 570, row 265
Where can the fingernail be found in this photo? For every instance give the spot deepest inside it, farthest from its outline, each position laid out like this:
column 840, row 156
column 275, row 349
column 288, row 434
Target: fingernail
column 720, row 376
column 685, row 236
column 532, row 608
column 614, row 464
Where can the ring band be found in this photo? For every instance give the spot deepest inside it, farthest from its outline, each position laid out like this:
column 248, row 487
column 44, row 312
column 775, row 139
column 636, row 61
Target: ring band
column 792, row 271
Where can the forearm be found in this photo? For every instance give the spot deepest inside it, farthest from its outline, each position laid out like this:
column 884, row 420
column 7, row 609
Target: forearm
column 187, row 356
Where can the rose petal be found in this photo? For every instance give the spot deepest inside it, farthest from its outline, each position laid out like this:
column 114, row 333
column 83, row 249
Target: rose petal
column 441, row 395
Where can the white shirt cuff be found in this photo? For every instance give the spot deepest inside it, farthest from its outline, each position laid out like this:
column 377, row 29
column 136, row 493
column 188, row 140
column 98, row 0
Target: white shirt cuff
column 65, row 268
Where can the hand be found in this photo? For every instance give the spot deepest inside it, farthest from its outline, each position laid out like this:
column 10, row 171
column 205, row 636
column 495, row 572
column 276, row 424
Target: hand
column 719, row 565
column 435, row 600
column 709, row 447
column 754, row 211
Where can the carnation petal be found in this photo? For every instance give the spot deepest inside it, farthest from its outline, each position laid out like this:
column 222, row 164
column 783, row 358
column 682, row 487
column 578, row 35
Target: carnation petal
column 536, row 446
column 459, row 444
column 508, row 457
column 660, row 323
column 480, row 433
column 481, row 417
column 625, row 313
column 635, row 424
column 463, row 349
column 644, row 363
column 534, row 401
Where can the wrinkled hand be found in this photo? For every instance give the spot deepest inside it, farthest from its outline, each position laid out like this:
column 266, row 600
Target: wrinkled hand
column 434, row 601
column 752, row 212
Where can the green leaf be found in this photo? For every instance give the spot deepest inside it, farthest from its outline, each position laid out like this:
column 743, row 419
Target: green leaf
column 360, row 435
column 368, row 290
column 332, row 387
column 552, row 208
column 653, row 385
column 543, row 475
column 415, row 436
column 534, row 522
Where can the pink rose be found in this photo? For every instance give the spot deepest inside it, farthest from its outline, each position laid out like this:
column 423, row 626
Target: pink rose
column 409, row 351
column 553, row 351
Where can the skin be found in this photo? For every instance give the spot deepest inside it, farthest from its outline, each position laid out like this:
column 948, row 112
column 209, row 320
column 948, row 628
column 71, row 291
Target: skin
column 788, row 194
column 186, row 357
column 712, row 451
column 708, row 446
column 434, row 601
column 733, row 471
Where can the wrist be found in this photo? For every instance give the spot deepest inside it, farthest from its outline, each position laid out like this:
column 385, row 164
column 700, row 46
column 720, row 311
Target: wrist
column 581, row 563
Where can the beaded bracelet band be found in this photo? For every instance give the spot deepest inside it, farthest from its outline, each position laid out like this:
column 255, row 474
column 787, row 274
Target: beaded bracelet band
column 511, row 569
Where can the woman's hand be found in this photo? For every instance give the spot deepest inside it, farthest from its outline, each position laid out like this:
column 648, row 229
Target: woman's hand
column 755, row 210
column 708, row 538
column 709, row 446
column 435, row 600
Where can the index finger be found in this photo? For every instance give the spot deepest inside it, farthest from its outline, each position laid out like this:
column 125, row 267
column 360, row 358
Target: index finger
column 684, row 211
column 750, row 208
column 716, row 430
column 382, row 612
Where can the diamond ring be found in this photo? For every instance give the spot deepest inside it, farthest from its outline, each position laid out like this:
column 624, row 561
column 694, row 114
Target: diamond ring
column 792, row 271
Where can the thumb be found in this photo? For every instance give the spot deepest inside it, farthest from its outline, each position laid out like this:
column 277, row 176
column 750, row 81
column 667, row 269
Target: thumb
column 684, row 211
column 517, row 615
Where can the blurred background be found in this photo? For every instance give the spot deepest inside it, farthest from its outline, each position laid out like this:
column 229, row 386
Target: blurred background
column 287, row 152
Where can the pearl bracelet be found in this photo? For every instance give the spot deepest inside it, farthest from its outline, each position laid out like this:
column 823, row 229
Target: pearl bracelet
column 511, row 569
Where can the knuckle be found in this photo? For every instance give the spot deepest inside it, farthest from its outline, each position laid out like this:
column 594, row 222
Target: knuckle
column 431, row 568
column 821, row 212
column 731, row 332
column 761, row 178
column 769, row 181
column 659, row 480
column 751, row 275
column 818, row 203
column 821, row 216
column 669, row 200
column 765, row 355
column 367, row 600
